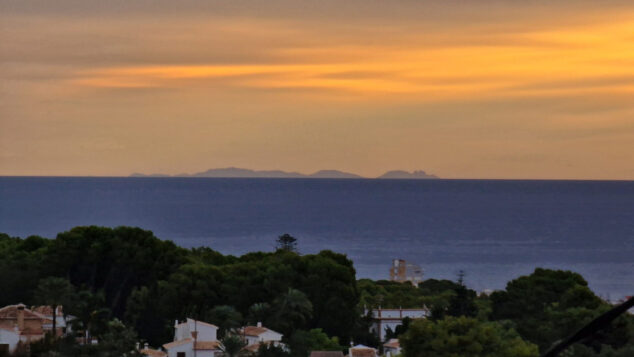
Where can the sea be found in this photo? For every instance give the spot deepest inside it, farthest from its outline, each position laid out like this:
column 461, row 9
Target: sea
column 492, row 230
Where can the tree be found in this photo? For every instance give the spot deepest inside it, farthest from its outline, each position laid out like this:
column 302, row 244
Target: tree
column 231, row 345
column 389, row 294
column 271, row 350
column 144, row 281
column 463, row 336
column 118, row 340
column 293, row 311
column 303, row 342
column 549, row 305
column 287, row 242
column 362, row 331
column 259, row 312
column 226, row 317
column 54, row 292
column 90, row 316
column 398, row 330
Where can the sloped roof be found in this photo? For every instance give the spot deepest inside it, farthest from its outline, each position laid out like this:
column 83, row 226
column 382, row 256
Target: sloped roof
column 167, row 346
column 326, row 354
column 10, row 312
column 47, row 310
column 198, row 322
column 392, row 343
column 254, row 330
column 152, row 353
column 206, row 345
column 257, row 331
column 362, row 351
column 206, row 324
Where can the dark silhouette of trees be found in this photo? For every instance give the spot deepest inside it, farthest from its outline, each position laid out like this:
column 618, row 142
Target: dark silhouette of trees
column 287, row 242
column 54, row 292
column 463, row 336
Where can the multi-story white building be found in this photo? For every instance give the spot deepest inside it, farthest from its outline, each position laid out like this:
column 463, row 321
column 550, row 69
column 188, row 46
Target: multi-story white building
column 401, row 271
column 391, row 318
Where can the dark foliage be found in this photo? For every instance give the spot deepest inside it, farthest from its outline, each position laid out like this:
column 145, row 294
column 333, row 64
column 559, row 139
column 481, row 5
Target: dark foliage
column 148, row 283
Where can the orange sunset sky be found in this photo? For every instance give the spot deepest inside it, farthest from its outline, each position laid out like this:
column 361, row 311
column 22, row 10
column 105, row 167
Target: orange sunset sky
column 461, row 89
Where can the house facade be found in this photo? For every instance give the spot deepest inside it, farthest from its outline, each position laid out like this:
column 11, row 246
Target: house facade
column 362, row 351
column 19, row 325
column 382, row 319
column 402, row 271
column 255, row 336
column 62, row 322
column 193, row 338
column 392, row 348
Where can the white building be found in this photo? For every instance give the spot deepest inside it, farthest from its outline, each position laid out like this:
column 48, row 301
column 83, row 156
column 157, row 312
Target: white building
column 392, row 347
column 150, row 352
column 193, row 338
column 9, row 340
column 402, row 271
column 62, row 322
column 362, row 351
column 19, row 325
column 257, row 335
column 391, row 318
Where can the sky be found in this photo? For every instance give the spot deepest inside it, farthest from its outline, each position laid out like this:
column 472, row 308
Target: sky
column 461, row 89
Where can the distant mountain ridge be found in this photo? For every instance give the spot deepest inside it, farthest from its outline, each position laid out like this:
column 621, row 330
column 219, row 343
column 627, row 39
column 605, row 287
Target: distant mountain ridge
column 235, row 172
column 399, row 174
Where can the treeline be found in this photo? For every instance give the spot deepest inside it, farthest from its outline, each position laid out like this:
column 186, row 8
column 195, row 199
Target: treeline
column 149, row 283
column 124, row 284
column 542, row 309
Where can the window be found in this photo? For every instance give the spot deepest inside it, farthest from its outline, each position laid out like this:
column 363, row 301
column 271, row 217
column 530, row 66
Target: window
column 180, row 354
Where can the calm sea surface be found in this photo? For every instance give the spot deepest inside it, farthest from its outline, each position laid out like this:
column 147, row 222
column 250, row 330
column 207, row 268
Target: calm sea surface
column 493, row 230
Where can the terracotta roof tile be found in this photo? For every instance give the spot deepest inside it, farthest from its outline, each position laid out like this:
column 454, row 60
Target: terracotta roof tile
column 362, row 352
column 326, row 354
column 207, row 345
column 152, row 353
column 254, row 330
column 393, row 343
column 10, row 312
column 47, row 310
column 167, row 346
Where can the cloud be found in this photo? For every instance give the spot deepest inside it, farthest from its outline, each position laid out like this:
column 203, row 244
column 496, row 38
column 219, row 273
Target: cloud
column 299, row 85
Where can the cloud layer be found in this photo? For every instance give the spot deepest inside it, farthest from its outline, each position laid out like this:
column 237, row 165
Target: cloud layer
column 480, row 89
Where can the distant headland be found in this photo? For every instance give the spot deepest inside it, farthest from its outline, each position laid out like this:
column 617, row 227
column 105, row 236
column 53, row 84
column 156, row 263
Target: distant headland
column 234, row 172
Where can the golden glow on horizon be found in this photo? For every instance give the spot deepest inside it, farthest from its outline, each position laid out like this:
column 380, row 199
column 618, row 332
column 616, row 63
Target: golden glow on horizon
column 459, row 89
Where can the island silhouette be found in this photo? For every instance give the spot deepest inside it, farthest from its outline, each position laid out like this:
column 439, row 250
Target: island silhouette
column 235, row 172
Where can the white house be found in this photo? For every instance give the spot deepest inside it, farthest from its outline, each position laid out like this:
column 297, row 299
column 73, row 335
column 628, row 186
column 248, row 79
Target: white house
column 20, row 325
column 255, row 336
column 150, row 352
column 62, row 322
column 193, row 337
column 362, row 351
column 9, row 340
column 259, row 333
column 392, row 347
column 391, row 318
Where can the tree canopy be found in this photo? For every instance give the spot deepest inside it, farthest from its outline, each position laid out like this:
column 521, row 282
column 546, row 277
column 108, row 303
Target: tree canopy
column 549, row 305
column 464, row 337
column 148, row 283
